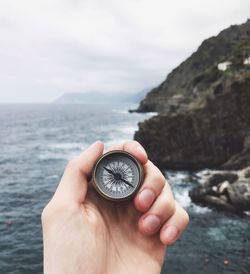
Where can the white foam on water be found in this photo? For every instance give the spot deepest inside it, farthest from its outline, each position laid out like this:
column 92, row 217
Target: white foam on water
column 204, row 172
column 201, row 210
column 48, row 155
column 128, row 129
column 183, row 198
column 178, row 177
column 122, row 111
column 151, row 113
column 181, row 185
column 67, row 146
column 61, row 151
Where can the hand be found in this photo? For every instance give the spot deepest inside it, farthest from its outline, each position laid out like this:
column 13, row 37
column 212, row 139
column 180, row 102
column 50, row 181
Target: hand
column 84, row 233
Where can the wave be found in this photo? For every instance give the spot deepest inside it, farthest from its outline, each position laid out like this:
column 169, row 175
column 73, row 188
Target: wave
column 181, row 183
column 55, row 156
column 67, row 146
column 61, row 151
column 128, row 129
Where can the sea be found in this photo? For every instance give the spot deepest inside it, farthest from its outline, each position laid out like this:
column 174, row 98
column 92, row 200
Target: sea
column 37, row 140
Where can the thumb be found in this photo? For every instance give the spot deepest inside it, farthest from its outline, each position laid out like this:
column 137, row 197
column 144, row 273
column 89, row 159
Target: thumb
column 74, row 183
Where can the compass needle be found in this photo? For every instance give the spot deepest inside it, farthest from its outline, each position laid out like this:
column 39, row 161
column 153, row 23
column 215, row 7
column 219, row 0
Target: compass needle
column 126, row 182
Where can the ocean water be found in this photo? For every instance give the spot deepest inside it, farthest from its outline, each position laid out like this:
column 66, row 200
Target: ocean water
column 36, row 141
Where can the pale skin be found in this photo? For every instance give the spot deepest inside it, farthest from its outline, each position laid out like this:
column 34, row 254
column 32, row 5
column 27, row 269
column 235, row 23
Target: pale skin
column 85, row 234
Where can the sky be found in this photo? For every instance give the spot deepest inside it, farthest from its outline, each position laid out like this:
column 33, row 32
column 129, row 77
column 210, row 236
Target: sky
column 52, row 47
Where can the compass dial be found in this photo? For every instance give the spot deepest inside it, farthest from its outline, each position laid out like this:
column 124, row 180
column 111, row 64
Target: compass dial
column 117, row 175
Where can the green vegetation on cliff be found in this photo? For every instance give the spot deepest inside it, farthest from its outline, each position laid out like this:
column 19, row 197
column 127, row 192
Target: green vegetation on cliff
column 198, row 77
column 204, row 107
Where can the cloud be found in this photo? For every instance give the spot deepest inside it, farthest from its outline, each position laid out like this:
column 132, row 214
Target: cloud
column 51, row 47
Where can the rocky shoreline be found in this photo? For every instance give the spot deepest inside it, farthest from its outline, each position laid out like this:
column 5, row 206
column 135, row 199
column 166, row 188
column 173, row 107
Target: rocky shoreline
column 203, row 118
column 228, row 191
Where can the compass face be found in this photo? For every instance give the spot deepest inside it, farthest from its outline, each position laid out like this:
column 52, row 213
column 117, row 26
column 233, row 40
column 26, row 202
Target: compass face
column 117, row 175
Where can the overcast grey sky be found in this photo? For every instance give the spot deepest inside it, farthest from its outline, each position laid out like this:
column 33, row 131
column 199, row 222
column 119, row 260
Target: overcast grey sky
column 49, row 47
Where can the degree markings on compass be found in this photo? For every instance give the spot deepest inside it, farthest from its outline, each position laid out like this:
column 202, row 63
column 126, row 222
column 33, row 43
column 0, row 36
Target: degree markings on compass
column 127, row 166
column 116, row 165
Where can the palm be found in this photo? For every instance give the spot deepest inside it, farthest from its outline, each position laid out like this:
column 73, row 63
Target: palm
column 116, row 225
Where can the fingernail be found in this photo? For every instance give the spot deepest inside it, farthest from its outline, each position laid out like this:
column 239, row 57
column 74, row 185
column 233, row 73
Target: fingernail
column 146, row 197
column 170, row 233
column 151, row 223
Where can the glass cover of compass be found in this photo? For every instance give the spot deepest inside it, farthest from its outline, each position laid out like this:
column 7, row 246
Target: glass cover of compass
column 117, row 175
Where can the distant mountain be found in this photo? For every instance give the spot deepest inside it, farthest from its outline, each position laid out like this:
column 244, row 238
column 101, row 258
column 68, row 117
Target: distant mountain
column 100, row 97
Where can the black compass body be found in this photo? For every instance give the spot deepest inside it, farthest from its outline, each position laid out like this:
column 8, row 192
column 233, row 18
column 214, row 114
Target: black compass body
column 117, row 175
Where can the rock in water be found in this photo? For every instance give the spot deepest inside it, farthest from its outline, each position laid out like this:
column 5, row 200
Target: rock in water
column 239, row 194
column 233, row 195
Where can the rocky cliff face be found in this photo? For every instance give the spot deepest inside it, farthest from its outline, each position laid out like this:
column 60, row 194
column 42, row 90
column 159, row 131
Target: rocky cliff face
column 216, row 135
column 204, row 119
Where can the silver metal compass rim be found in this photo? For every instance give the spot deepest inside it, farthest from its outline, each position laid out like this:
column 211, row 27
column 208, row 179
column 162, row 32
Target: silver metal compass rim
column 104, row 195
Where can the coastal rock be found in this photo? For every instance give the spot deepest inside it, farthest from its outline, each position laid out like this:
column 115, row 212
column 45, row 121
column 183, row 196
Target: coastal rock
column 218, row 178
column 239, row 195
column 203, row 116
column 214, row 136
column 233, row 196
column 247, row 173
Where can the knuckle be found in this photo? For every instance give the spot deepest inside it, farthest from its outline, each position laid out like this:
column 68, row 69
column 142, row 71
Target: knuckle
column 45, row 215
column 72, row 164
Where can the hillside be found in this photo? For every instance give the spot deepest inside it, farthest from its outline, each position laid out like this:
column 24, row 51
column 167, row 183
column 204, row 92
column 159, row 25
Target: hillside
column 197, row 77
column 204, row 107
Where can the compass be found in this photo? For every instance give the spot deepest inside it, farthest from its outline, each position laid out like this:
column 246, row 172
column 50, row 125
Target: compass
column 117, row 175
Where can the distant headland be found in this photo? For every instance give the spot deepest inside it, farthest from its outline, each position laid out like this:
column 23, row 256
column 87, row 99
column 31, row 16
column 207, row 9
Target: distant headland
column 100, row 97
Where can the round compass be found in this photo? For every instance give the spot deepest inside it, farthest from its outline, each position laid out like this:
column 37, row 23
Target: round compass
column 117, row 175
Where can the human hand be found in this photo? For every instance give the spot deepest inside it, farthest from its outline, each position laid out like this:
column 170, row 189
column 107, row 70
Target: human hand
column 84, row 233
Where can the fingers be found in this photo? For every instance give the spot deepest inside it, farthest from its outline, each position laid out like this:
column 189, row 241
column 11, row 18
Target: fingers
column 153, row 184
column 74, row 183
column 174, row 227
column 160, row 211
column 134, row 148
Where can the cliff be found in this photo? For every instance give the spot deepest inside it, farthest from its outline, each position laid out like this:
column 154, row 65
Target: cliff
column 204, row 107
column 196, row 78
column 209, row 137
